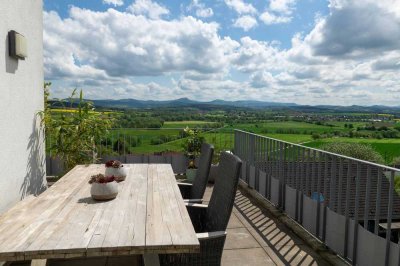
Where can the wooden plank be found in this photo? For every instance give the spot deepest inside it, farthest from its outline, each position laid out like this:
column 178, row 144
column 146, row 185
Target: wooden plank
column 147, row 217
column 133, row 224
column 157, row 233
column 36, row 216
column 111, row 239
column 70, row 217
column 179, row 222
column 172, row 215
column 19, row 209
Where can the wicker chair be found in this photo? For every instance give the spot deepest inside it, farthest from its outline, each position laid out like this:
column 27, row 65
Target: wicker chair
column 194, row 192
column 210, row 221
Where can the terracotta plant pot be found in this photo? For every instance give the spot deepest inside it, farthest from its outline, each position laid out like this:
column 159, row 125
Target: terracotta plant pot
column 119, row 173
column 190, row 174
column 104, row 191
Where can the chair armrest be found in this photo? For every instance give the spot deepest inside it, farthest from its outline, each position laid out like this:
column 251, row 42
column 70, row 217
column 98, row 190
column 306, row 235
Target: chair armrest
column 195, row 205
column 184, row 184
column 193, row 201
column 185, row 189
column 210, row 235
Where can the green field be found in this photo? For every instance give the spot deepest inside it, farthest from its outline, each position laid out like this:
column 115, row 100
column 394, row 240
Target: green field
column 388, row 148
column 291, row 131
column 183, row 124
column 289, row 127
column 222, row 140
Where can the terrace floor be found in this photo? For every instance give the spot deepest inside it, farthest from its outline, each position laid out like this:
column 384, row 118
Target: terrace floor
column 256, row 238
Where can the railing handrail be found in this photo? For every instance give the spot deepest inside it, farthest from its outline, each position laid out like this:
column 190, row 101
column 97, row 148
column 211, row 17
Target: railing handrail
column 163, row 128
column 389, row 168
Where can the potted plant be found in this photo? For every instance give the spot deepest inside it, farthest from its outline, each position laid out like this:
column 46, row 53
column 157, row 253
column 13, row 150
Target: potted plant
column 103, row 188
column 192, row 148
column 116, row 169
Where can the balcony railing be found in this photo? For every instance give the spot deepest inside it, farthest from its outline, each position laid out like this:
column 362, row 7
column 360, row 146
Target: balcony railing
column 349, row 204
column 144, row 145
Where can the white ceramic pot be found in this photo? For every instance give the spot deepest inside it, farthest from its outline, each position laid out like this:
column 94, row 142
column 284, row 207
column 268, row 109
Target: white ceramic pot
column 190, row 174
column 104, row 191
column 119, row 173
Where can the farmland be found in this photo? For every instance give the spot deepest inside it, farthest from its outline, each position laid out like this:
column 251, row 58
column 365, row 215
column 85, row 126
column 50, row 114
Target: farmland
column 169, row 137
column 183, row 124
column 165, row 133
column 388, row 148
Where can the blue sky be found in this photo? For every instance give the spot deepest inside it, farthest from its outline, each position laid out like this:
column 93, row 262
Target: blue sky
column 304, row 51
column 302, row 21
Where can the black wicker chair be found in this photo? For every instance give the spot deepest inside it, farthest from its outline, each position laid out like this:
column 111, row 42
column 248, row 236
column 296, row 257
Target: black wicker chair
column 194, row 192
column 210, row 221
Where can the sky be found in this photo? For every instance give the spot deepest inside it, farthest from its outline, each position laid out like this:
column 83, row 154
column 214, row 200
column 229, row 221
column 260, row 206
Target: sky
column 317, row 52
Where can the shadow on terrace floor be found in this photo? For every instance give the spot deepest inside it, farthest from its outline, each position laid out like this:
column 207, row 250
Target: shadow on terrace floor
column 255, row 238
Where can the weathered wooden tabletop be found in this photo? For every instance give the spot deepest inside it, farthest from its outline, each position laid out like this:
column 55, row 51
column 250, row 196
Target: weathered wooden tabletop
column 147, row 217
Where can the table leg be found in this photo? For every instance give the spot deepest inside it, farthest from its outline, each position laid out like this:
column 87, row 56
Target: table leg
column 151, row 260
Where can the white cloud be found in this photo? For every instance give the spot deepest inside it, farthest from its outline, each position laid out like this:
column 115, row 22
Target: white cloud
column 245, row 22
column 241, row 7
column 148, row 8
column 253, row 55
column 342, row 60
column 262, row 79
column 270, row 19
column 357, row 28
column 119, row 44
column 282, row 6
column 114, row 2
column 278, row 12
column 200, row 9
column 204, row 13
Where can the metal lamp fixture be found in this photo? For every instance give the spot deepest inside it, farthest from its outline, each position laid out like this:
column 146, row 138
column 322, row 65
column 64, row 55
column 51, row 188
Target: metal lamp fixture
column 17, row 45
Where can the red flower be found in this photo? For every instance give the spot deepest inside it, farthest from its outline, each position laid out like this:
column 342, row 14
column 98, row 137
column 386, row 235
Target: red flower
column 114, row 164
column 101, row 179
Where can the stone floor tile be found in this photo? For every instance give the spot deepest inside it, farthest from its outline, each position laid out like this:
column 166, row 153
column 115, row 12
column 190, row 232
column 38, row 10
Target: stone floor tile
column 240, row 238
column 246, row 257
column 234, row 222
column 298, row 255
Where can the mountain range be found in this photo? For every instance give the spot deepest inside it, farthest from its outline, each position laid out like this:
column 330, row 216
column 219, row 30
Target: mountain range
column 245, row 104
column 185, row 102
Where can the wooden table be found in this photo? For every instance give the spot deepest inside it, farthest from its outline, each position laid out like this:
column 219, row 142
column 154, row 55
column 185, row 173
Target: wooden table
column 147, row 217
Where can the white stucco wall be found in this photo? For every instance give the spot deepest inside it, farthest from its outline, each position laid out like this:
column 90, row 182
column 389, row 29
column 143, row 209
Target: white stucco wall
column 22, row 160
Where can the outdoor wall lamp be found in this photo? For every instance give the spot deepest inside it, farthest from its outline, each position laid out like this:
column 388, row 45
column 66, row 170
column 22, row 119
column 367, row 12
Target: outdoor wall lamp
column 17, row 45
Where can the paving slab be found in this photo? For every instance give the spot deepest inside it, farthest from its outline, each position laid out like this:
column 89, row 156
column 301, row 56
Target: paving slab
column 255, row 237
column 246, row 257
column 239, row 238
column 294, row 255
column 234, row 222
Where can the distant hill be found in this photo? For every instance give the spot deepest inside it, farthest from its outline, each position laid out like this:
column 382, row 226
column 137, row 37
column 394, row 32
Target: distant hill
column 185, row 102
column 243, row 104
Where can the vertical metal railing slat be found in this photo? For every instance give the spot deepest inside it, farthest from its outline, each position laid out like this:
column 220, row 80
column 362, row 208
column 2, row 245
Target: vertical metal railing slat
column 342, row 184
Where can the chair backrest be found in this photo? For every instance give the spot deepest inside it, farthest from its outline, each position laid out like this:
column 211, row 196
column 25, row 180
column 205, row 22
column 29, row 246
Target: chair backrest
column 203, row 171
column 223, row 196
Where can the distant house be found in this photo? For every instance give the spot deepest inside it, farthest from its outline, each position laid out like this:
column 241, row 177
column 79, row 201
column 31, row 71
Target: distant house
column 22, row 160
